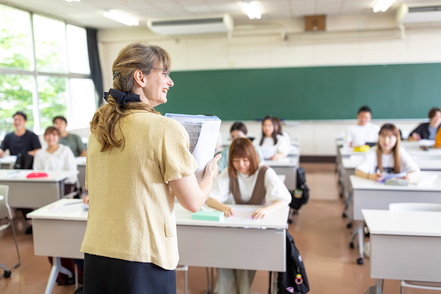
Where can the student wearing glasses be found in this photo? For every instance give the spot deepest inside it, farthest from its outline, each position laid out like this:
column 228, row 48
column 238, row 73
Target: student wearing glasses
column 388, row 157
column 364, row 131
column 245, row 181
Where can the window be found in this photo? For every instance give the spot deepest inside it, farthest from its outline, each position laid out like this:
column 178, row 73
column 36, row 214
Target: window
column 44, row 71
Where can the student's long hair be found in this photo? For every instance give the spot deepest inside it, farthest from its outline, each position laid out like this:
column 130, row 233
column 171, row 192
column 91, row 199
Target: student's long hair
column 106, row 120
column 390, row 128
column 274, row 134
column 242, row 148
column 279, row 126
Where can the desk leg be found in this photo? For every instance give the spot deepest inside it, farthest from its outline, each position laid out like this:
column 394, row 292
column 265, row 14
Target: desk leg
column 56, row 265
column 377, row 289
column 360, row 241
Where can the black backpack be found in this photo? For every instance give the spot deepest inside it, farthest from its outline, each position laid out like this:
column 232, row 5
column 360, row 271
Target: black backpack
column 300, row 195
column 24, row 161
column 294, row 280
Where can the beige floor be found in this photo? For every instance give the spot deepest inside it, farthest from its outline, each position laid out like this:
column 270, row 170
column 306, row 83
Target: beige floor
column 319, row 232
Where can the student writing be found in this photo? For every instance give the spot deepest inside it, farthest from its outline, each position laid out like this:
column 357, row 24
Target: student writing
column 428, row 130
column 237, row 130
column 273, row 145
column 245, row 182
column 388, row 157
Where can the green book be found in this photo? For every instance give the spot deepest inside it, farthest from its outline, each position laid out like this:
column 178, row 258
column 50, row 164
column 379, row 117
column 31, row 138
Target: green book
column 208, row 215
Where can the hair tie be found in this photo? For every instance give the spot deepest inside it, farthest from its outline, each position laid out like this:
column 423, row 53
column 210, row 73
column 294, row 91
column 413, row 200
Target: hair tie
column 121, row 97
column 115, row 73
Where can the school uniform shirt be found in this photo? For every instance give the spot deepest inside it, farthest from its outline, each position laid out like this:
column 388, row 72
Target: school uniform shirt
column 74, row 143
column 360, row 135
column 61, row 159
column 23, row 144
column 275, row 188
column 131, row 204
column 269, row 148
column 369, row 164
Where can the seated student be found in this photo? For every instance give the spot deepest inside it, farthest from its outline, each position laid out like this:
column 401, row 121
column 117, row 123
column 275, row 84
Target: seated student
column 428, row 130
column 273, row 145
column 365, row 131
column 245, row 182
column 388, row 157
column 280, row 131
column 237, row 130
column 56, row 157
column 21, row 140
column 71, row 140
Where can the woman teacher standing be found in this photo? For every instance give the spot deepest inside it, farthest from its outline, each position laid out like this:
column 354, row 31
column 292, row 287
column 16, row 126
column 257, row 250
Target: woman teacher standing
column 137, row 162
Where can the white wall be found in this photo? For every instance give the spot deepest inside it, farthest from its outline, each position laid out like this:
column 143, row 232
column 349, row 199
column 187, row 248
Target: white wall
column 349, row 40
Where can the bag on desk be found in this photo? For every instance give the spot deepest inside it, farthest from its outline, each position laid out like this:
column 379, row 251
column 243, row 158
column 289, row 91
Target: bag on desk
column 24, row 161
column 294, row 280
column 300, row 195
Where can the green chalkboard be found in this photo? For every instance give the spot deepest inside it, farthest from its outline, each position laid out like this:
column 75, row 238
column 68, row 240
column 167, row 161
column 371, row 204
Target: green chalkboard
column 303, row 93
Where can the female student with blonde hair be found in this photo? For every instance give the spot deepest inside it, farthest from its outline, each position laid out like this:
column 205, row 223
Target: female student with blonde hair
column 137, row 162
column 245, row 181
column 273, row 145
column 387, row 157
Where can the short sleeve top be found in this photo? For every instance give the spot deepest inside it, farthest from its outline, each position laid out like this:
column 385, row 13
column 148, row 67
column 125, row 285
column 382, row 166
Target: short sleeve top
column 131, row 205
column 370, row 166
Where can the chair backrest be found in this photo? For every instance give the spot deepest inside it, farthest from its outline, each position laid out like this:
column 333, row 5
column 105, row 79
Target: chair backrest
column 5, row 211
column 414, row 206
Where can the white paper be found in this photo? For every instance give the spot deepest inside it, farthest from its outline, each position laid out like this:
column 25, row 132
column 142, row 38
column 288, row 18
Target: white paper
column 203, row 132
column 242, row 214
column 68, row 207
column 427, row 180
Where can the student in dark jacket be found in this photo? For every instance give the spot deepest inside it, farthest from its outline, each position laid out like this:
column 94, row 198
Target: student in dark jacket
column 21, row 140
column 428, row 130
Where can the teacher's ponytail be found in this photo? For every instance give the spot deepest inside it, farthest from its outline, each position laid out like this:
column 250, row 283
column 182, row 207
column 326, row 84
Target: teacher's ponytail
column 106, row 120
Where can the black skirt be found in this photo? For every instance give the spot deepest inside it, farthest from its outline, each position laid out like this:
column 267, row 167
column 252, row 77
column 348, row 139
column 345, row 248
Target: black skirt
column 105, row 275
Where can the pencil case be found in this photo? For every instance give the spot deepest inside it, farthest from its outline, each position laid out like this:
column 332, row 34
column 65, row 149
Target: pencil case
column 37, row 175
column 364, row 148
column 397, row 182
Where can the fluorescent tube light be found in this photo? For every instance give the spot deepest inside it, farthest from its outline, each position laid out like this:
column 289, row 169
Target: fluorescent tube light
column 121, row 17
column 383, row 5
column 73, row 0
column 251, row 9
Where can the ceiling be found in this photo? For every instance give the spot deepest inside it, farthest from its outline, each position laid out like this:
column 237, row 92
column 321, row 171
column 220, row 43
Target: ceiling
column 88, row 13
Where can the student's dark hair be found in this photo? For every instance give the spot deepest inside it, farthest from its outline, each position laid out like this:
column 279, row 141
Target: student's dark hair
column 390, row 128
column 278, row 126
column 364, row 108
column 239, row 126
column 59, row 117
column 22, row 114
column 274, row 134
column 52, row 130
column 243, row 148
column 433, row 112
column 106, row 120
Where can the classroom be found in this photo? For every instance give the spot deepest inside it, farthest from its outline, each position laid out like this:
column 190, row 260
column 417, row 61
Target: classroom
column 220, row 146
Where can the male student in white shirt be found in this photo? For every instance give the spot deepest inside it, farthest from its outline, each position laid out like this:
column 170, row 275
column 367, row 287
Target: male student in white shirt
column 365, row 131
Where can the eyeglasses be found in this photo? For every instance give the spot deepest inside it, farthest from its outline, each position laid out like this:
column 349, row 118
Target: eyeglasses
column 163, row 69
column 388, row 137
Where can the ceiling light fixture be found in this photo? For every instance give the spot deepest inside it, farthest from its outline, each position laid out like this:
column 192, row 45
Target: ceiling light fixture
column 121, row 17
column 383, row 5
column 251, row 9
column 73, row 0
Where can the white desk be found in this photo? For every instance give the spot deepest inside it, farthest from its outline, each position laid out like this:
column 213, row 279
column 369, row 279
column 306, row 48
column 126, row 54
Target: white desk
column 81, row 166
column 416, row 151
column 405, row 245
column 7, row 162
column 60, row 234
column 286, row 166
column 33, row 193
column 369, row 194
